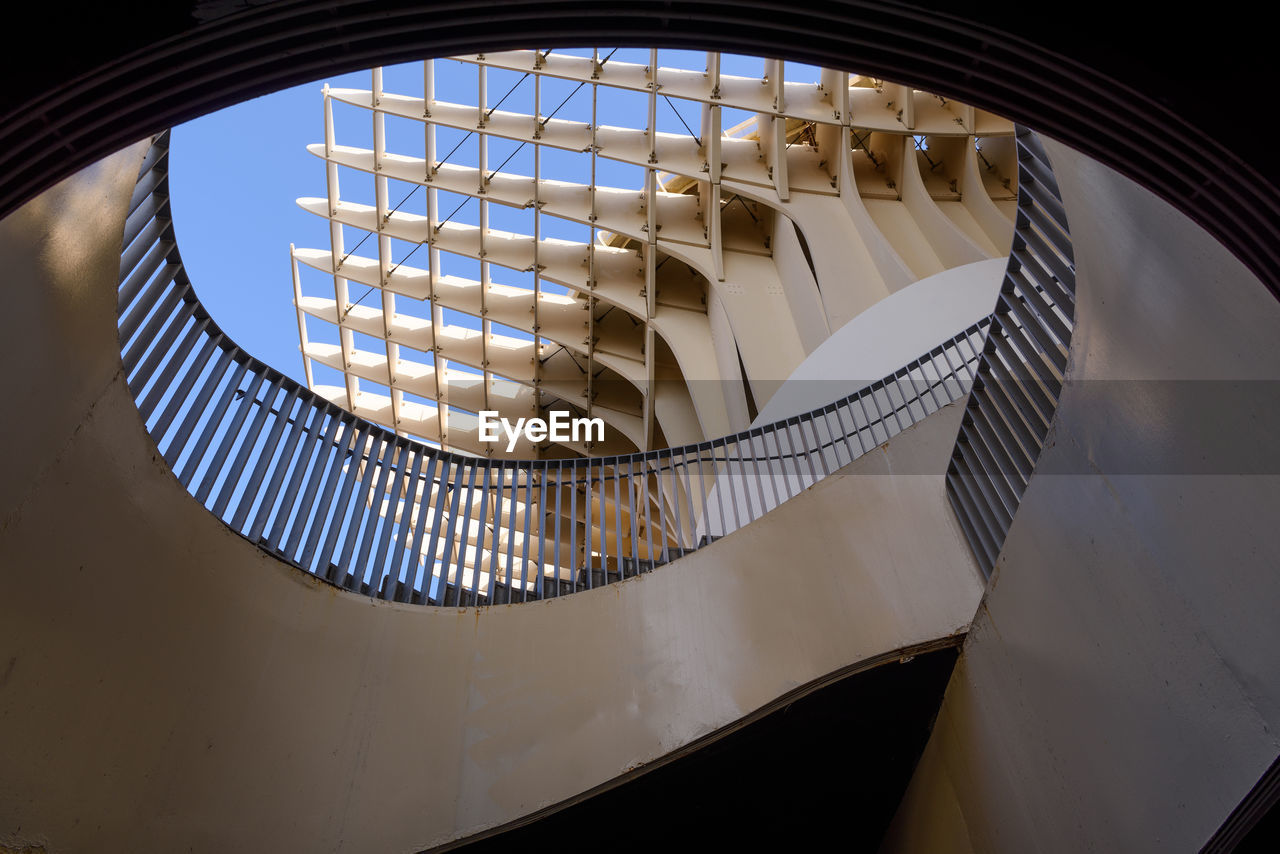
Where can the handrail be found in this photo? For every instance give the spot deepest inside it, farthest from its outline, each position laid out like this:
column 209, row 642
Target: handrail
column 1024, row 364
column 372, row 512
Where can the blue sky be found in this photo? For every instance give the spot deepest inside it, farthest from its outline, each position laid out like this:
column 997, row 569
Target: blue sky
column 235, row 175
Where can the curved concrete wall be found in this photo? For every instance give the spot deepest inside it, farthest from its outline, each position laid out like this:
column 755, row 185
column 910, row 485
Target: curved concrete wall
column 166, row 685
column 1120, row 689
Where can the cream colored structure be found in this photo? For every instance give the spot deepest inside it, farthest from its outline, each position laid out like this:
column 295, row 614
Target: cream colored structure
column 698, row 292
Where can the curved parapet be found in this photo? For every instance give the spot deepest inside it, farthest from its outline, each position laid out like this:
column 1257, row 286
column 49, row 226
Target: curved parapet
column 1023, row 366
column 351, row 502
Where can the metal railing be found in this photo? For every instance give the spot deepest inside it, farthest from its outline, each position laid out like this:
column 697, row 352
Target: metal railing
column 353, row 503
column 1023, row 365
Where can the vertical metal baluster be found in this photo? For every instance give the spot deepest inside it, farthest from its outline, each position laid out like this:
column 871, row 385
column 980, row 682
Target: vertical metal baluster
column 786, row 457
column 792, row 457
column 717, row 483
column 776, row 465
column 844, row 435
column 820, row 427
column 720, row 483
column 559, row 496
column 511, row 530
column 513, row 493
column 631, row 513
column 542, row 530
column 495, row 526
column 525, row 541
column 662, row 513
column 603, row 523
column 688, row 484
column 702, row 488
column 573, row 529
column 831, row 429
column 617, row 519
column 734, row 483
column 651, row 556
column 676, row 510
column 588, row 531
column 753, row 437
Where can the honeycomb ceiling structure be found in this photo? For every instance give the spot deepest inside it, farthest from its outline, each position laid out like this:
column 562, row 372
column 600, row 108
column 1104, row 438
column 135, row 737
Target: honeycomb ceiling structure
column 654, row 238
